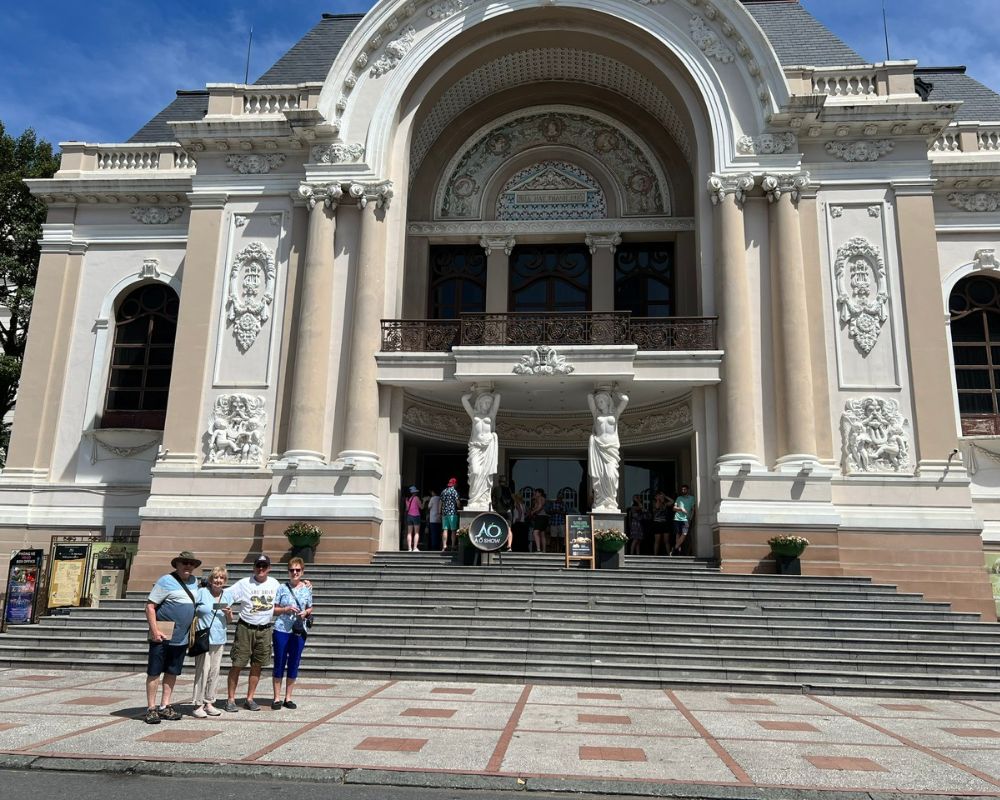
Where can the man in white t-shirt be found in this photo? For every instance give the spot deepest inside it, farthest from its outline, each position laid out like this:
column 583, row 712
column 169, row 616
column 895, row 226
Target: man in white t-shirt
column 252, row 642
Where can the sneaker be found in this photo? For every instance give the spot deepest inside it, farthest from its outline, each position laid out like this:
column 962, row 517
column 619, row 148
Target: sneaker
column 152, row 717
column 211, row 710
column 231, row 707
column 167, row 713
column 250, row 704
column 275, row 705
column 199, row 712
column 290, row 704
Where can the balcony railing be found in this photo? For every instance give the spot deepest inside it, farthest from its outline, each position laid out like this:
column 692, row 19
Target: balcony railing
column 591, row 328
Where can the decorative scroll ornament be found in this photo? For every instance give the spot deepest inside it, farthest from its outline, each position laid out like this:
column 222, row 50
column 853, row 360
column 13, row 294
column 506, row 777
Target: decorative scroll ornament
column 543, row 360
column 254, row 163
column 860, row 151
column 766, row 144
column 379, row 193
column 327, row 195
column 150, row 268
column 337, row 153
column 394, row 52
column 708, row 41
column 236, row 432
column 977, row 202
column 251, row 292
column 156, row 215
column 862, row 305
column 738, row 185
column 986, row 259
column 776, row 185
column 873, row 436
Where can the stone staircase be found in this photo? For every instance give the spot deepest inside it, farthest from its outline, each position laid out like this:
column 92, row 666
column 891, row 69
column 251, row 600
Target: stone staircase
column 672, row 623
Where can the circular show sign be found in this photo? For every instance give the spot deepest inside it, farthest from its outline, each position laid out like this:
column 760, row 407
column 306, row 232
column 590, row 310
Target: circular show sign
column 489, row 532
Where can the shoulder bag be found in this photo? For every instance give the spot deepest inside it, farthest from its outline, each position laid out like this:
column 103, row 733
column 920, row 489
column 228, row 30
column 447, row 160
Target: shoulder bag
column 198, row 641
column 300, row 627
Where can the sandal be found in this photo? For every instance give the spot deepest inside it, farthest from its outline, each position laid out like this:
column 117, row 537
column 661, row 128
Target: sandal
column 275, row 705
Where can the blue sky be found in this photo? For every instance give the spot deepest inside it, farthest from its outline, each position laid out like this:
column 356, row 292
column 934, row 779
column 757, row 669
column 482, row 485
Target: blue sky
column 96, row 71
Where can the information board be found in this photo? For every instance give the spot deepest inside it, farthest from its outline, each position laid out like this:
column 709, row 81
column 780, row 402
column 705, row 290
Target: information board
column 23, row 581
column 580, row 538
column 67, row 574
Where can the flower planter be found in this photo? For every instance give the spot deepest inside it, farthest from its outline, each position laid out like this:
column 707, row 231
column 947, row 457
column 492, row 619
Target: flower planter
column 788, row 565
column 307, row 552
column 609, row 559
column 465, row 554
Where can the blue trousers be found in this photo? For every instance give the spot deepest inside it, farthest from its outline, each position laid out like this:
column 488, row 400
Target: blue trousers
column 287, row 654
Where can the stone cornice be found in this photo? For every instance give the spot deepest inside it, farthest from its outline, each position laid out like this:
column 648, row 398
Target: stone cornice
column 129, row 191
column 595, row 227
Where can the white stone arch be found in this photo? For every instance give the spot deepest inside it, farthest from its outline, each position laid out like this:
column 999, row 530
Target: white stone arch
column 396, row 39
column 100, row 365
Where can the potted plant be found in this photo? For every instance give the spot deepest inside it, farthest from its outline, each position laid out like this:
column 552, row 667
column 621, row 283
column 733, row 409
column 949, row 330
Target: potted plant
column 609, row 543
column 303, row 537
column 466, row 552
column 786, row 550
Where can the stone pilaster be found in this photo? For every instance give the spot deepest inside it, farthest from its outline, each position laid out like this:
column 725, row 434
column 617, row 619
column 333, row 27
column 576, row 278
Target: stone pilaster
column 315, row 327
column 498, row 250
column 797, row 444
column 602, row 250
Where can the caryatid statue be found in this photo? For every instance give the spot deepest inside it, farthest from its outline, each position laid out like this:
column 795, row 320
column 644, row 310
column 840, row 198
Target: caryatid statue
column 484, row 447
column 606, row 406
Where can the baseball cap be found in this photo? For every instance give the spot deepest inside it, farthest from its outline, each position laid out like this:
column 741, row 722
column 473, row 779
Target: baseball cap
column 262, row 559
column 452, row 481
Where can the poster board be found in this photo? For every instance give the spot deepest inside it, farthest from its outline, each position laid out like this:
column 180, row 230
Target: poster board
column 23, row 581
column 68, row 573
column 580, row 539
column 109, row 565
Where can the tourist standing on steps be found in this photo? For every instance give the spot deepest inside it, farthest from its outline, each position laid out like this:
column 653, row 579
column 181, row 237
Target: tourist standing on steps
column 171, row 601
column 539, row 520
column 449, row 513
column 519, row 528
column 662, row 518
column 636, row 518
column 434, row 519
column 214, row 619
column 414, row 505
column 684, row 507
column 293, row 608
column 252, row 643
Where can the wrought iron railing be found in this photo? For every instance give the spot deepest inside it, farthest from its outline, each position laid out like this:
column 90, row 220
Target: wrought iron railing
column 586, row 328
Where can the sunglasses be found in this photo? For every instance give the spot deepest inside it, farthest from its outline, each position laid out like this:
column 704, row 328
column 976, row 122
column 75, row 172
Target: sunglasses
column 262, row 566
column 189, row 563
column 294, row 570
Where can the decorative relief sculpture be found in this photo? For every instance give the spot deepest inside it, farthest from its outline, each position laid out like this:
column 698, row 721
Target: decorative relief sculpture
column 977, row 202
column 156, row 215
column 117, row 451
column 551, row 190
column 543, row 360
column 873, row 436
column 836, row 211
column 862, row 292
column 649, row 424
column 150, row 268
column 240, row 220
column 860, row 151
column 448, row 8
column 254, row 163
column 251, row 292
column 327, row 195
column 394, row 52
column 484, row 447
column 606, row 406
column 986, row 259
column 709, row 42
column 766, row 144
column 338, row 153
column 791, row 184
column 236, row 433
column 738, row 185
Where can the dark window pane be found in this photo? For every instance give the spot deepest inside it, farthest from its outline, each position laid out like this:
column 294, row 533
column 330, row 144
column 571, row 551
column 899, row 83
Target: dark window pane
column 971, row 355
column 126, row 378
column 154, row 401
column 993, row 325
column 975, row 403
column 134, row 332
column 153, row 298
column 163, row 332
column 161, row 356
column 123, row 401
column 158, row 378
column 968, row 329
column 644, row 278
column 982, row 291
column 973, row 378
column 126, row 356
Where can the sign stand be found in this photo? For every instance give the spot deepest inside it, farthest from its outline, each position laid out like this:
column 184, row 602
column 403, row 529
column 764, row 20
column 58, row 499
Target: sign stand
column 69, row 563
column 580, row 539
column 488, row 533
column 23, row 581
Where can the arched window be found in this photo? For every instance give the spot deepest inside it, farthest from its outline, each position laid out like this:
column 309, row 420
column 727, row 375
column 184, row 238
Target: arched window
column 975, row 338
column 644, row 279
column 550, row 278
column 145, row 325
column 457, row 281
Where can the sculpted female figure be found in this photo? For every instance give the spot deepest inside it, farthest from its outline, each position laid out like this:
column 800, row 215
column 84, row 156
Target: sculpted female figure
column 483, row 447
column 607, row 407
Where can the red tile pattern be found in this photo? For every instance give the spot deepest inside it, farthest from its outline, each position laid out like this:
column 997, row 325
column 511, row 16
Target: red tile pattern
column 612, row 754
column 749, row 701
column 845, row 763
column 904, row 707
column 430, row 713
column 180, row 737
column 390, row 744
column 974, row 733
column 447, row 690
column 604, row 719
column 777, row 725
column 93, row 700
column 36, row 677
column 6, row 726
column 598, row 696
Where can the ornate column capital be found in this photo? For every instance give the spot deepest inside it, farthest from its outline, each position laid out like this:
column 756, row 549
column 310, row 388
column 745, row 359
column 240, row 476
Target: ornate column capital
column 792, row 184
column 610, row 241
column 491, row 243
column 326, row 194
column 380, row 193
column 737, row 185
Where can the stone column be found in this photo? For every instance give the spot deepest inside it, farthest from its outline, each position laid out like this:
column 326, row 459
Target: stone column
column 797, row 418
column 602, row 248
column 738, row 407
column 498, row 250
column 314, row 324
column 361, row 430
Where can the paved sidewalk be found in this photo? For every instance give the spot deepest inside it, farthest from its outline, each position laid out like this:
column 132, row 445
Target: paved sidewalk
column 525, row 737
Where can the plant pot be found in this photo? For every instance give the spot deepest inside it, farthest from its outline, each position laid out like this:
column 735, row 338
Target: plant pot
column 788, row 565
column 466, row 554
column 307, row 552
column 609, row 547
column 787, row 552
column 609, row 559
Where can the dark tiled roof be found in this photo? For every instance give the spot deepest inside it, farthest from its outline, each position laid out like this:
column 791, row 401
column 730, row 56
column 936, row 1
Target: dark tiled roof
column 312, row 56
column 186, row 106
column 979, row 102
column 798, row 37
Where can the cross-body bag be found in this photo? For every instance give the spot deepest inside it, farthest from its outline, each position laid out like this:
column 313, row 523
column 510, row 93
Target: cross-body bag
column 198, row 641
column 300, row 627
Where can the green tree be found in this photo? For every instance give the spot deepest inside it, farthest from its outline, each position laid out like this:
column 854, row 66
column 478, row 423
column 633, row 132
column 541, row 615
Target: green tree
column 21, row 218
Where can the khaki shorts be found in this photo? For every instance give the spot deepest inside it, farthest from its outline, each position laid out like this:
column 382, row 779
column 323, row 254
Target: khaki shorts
column 251, row 646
